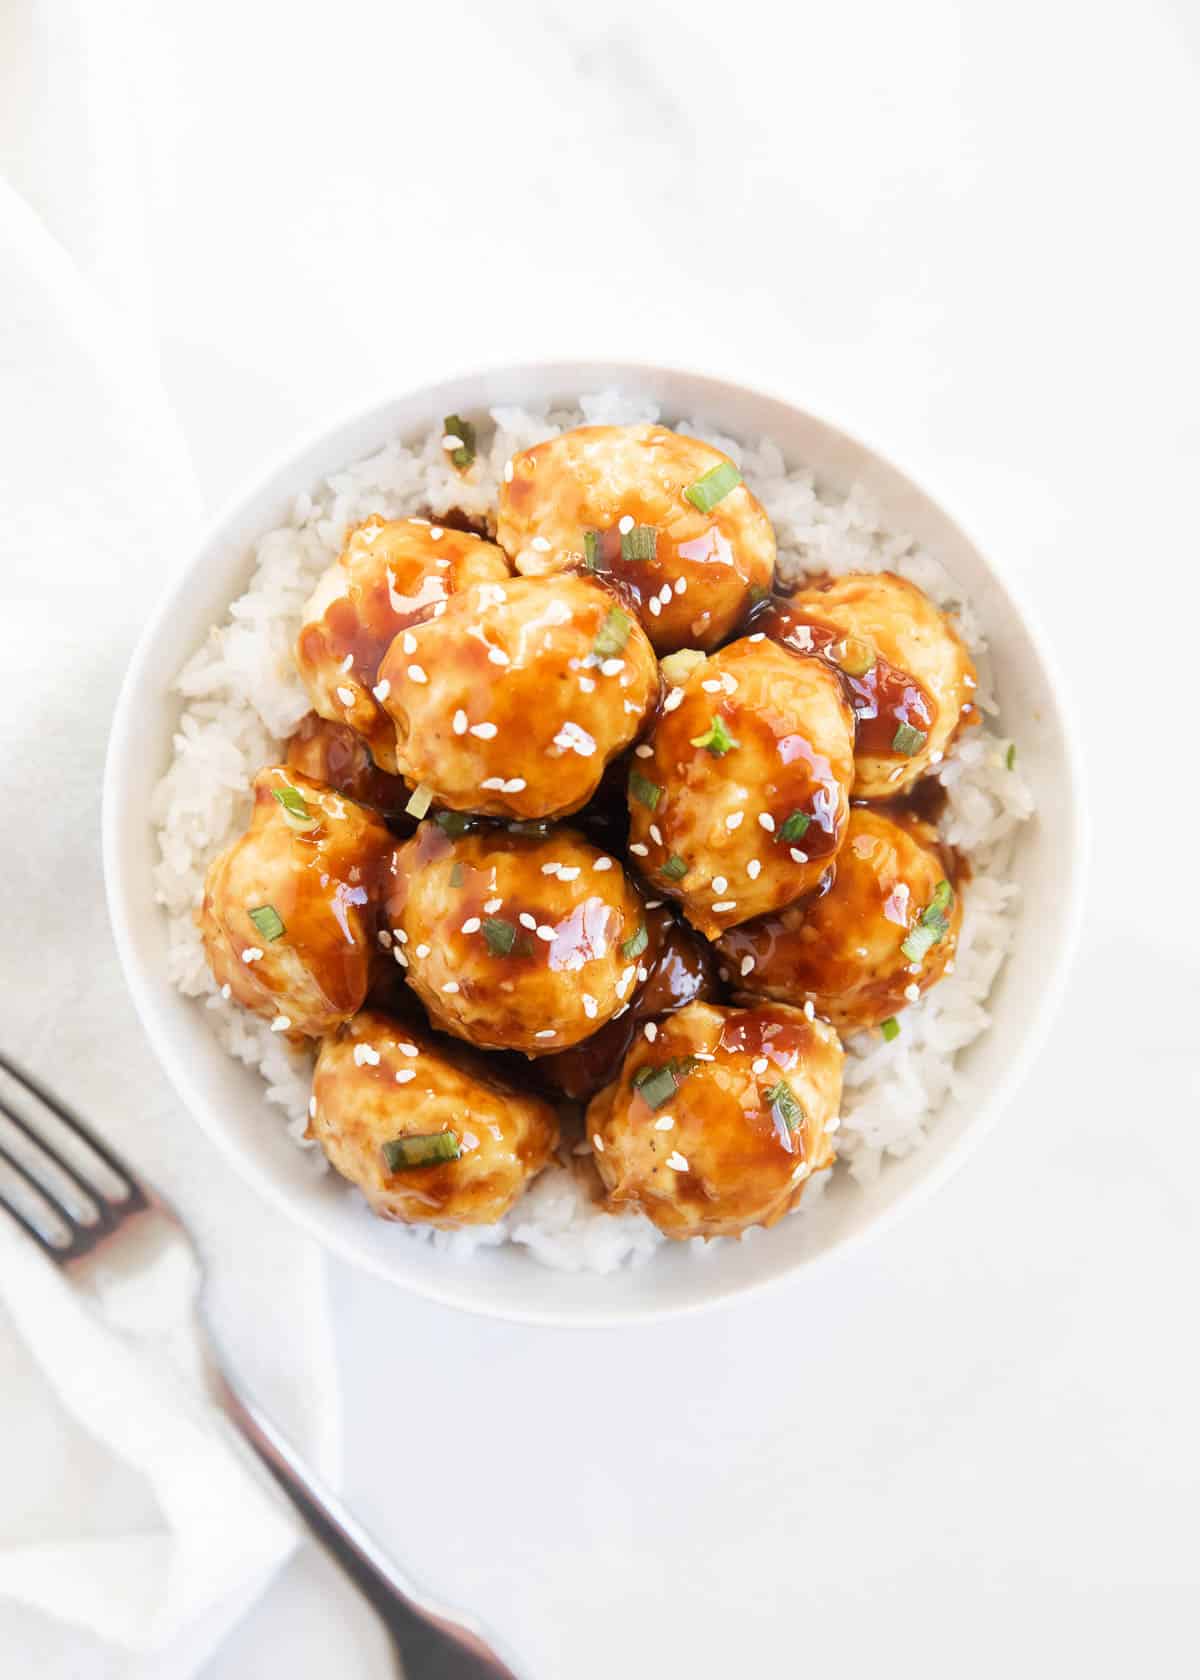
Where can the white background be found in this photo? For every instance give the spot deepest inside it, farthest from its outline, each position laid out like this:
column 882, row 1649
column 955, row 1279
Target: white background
column 966, row 232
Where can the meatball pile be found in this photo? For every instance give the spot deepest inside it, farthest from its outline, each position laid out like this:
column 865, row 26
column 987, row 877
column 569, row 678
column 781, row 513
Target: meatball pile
column 595, row 840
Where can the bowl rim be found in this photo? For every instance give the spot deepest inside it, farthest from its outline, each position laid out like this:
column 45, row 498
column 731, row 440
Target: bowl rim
column 143, row 985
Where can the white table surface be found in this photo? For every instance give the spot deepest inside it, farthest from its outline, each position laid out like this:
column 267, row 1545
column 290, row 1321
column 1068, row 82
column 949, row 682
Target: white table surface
column 967, row 232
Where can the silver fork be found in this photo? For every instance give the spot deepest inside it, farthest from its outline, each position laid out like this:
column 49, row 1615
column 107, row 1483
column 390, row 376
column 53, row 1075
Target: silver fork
column 92, row 1215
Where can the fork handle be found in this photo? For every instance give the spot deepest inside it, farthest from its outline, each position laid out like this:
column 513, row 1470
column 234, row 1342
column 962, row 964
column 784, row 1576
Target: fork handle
column 413, row 1620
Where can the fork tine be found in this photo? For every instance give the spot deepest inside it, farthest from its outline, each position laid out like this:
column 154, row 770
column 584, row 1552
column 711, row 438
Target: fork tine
column 88, row 1191
column 135, row 1196
column 55, row 1250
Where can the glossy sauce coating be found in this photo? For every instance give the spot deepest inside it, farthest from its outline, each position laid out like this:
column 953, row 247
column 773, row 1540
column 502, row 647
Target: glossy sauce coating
column 391, row 573
column 842, row 951
column 378, row 1079
column 680, row 968
column 706, row 567
column 515, row 943
column 724, row 815
column 322, row 884
column 721, row 1151
column 922, row 675
column 509, row 704
column 334, row 754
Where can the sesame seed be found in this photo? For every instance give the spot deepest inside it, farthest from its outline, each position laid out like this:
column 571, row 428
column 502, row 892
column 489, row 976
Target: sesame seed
column 719, row 883
column 728, row 683
column 677, row 1162
column 809, row 1010
column 416, row 674
column 644, row 751
column 460, row 722
column 571, row 738
column 485, row 731
column 655, row 903
column 625, row 523
column 497, row 656
column 568, row 872
column 655, row 606
column 408, row 642
column 547, row 933
column 664, row 594
column 711, row 685
column 450, row 986
column 759, row 1064
column 651, row 1031
column 251, row 953
column 597, row 1143
column 734, row 819
column 747, row 965
column 526, row 920
column 767, row 821
column 492, row 905
column 399, row 956
column 281, row 1023
column 546, row 1032
column 541, row 544
column 494, row 784
column 796, row 855
column 754, row 868
column 348, row 662
column 366, row 1055
column 725, row 904
column 401, row 936
column 588, row 684
column 551, row 868
column 612, row 667
column 227, row 990
column 407, row 1049
column 639, row 850
column 508, row 472
column 384, row 938
column 382, row 690
column 602, row 863
column 704, row 1056
column 451, row 442
column 656, row 834
column 436, row 533
column 757, row 636
column 472, row 925
column 589, row 1006
column 664, row 1123
column 346, row 696
column 912, row 991
column 403, row 1075
column 674, row 698
column 643, row 971
column 681, row 586
column 514, row 784
column 422, row 950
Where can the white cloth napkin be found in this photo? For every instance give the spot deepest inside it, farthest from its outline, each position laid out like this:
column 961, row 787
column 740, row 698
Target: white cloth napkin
column 131, row 1535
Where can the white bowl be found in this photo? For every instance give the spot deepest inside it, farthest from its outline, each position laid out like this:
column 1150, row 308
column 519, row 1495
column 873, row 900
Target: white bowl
column 228, row 1100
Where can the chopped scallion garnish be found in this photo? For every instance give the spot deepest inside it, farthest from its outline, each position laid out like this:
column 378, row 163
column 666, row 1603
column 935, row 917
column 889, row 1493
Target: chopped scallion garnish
column 785, row 1110
column 640, row 543
column 453, row 823
column 716, row 739
column 675, row 867
column 1010, row 757
column 612, row 634
column 419, row 801
column 908, row 740
column 453, row 426
column 297, row 812
column 714, row 486
column 268, row 921
column 655, row 1085
column 890, row 1029
column 794, row 828
column 932, row 925
column 648, row 793
column 456, row 873
column 501, row 936
column 422, row 1149
column 591, row 550
column 636, row 943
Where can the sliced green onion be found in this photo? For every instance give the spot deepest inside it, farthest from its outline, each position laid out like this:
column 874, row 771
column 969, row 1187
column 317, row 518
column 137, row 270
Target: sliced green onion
column 419, row 801
column 612, row 635
column 852, row 655
column 422, row 1149
column 501, row 936
column 636, row 943
column 591, row 550
column 675, row 868
column 268, row 921
column 758, row 593
column 908, row 740
column 297, row 812
column 916, row 946
column 933, row 925
column 795, row 828
column 641, row 788
column 453, row 823
column 785, row 1110
column 890, row 1029
column 714, row 486
column 453, row 426
column 943, row 896
column 456, row 873
column 656, row 1085
column 640, row 543
column 1010, row 757
column 716, row 739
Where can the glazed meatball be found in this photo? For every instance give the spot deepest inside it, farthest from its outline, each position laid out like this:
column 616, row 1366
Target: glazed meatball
column 880, row 936
column 718, row 1123
column 739, row 798
column 666, row 516
column 679, row 969
column 514, row 700
column 515, row 942
column 332, row 753
column 290, row 910
column 906, row 672
column 392, row 573
column 427, row 1131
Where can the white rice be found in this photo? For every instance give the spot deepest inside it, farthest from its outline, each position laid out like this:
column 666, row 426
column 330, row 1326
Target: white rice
column 242, row 697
